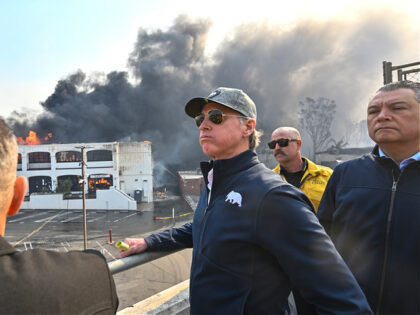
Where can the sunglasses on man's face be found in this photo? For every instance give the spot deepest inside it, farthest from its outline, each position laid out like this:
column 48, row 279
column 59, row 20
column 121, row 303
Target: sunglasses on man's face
column 282, row 142
column 216, row 116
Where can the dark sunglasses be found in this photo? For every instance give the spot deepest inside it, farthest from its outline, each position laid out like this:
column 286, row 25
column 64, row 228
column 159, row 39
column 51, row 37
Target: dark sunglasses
column 216, row 116
column 282, row 142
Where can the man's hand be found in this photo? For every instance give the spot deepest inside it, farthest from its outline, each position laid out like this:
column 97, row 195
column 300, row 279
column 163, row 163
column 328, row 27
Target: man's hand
column 137, row 245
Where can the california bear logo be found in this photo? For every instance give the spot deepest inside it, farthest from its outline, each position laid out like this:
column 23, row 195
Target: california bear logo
column 234, row 198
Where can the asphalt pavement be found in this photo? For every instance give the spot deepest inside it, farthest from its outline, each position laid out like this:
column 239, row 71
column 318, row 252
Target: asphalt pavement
column 62, row 230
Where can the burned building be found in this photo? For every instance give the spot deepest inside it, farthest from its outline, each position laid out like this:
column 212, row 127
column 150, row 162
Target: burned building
column 191, row 182
column 126, row 168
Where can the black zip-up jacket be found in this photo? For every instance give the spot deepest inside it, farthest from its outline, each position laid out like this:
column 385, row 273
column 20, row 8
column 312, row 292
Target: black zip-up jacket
column 256, row 238
column 371, row 210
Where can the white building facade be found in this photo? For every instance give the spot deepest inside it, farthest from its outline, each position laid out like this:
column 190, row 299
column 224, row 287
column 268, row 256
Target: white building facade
column 124, row 169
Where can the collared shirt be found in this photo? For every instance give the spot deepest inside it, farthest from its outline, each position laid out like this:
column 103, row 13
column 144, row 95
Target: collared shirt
column 403, row 164
column 210, row 180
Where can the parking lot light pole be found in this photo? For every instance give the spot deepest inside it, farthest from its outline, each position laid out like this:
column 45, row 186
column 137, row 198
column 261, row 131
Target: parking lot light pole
column 83, row 164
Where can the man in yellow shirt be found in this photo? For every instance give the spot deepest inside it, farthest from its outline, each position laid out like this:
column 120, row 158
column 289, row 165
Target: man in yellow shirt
column 295, row 169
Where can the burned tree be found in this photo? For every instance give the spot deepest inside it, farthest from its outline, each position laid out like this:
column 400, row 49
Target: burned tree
column 316, row 117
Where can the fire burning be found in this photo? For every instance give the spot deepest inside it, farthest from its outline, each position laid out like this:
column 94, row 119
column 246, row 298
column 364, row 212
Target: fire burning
column 100, row 182
column 32, row 138
column 48, row 136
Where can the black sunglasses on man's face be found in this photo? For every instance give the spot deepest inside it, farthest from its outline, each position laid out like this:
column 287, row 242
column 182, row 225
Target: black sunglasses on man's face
column 216, row 116
column 282, row 142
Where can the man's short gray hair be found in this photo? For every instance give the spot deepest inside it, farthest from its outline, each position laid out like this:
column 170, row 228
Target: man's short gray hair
column 415, row 86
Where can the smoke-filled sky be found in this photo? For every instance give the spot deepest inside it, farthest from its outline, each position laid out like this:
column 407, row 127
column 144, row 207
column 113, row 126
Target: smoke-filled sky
column 278, row 62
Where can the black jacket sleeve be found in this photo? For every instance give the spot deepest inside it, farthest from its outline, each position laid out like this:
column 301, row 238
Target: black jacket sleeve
column 307, row 255
column 175, row 238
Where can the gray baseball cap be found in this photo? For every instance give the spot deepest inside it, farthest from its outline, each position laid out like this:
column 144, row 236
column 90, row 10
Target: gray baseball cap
column 233, row 98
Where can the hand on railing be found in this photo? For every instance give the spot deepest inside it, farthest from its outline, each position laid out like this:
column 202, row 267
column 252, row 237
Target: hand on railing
column 126, row 263
column 137, row 245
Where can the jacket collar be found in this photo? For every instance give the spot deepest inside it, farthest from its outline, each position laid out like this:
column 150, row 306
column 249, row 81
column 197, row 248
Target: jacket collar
column 228, row 167
column 303, row 169
column 387, row 160
column 375, row 152
column 382, row 159
column 310, row 166
column 5, row 247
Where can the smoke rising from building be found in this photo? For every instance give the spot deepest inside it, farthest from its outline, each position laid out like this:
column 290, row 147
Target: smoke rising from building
column 277, row 65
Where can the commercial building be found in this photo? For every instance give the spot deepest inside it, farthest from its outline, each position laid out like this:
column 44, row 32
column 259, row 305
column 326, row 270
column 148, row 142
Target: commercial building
column 118, row 174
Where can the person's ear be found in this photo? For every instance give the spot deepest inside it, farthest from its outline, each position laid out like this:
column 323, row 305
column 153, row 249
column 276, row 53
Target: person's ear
column 250, row 126
column 19, row 191
column 299, row 144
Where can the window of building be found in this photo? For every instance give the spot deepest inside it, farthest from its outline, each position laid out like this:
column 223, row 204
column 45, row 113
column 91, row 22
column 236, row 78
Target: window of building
column 67, row 183
column 99, row 155
column 68, row 156
column 39, row 157
column 39, row 184
column 99, row 181
column 19, row 158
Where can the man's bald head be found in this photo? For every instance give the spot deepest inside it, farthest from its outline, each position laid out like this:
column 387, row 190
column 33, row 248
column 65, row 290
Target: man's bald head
column 293, row 133
column 288, row 155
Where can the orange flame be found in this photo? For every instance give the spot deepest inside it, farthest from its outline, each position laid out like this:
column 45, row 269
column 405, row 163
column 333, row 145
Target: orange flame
column 102, row 181
column 48, row 136
column 93, row 182
column 32, row 138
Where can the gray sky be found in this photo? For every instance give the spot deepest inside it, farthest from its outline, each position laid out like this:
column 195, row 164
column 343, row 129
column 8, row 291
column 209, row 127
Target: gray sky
column 44, row 41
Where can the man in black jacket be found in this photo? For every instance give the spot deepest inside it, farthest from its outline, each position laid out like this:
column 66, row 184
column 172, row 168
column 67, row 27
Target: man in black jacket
column 41, row 281
column 254, row 236
column 371, row 206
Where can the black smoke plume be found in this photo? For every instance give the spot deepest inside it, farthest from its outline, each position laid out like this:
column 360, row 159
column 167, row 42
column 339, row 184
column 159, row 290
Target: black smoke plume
column 277, row 65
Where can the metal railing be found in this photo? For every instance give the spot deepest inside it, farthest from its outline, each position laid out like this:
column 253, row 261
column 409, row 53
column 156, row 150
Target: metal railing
column 126, row 263
column 412, row 74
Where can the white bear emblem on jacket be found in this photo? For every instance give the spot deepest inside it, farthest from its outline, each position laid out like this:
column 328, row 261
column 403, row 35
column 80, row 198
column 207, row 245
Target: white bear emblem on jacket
column 234, row 198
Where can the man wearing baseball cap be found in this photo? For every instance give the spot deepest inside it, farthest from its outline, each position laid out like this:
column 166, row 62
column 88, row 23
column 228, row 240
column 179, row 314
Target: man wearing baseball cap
column 254, row 236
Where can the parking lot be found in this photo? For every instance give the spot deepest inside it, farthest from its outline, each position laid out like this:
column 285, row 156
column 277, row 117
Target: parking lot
column 62, row 230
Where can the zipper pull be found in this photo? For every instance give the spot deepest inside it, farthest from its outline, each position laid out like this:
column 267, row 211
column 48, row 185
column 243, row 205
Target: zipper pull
column 394, row 181
column 394, row 185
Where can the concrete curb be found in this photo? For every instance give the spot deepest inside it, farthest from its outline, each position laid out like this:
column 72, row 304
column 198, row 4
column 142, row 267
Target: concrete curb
column 170, row 301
